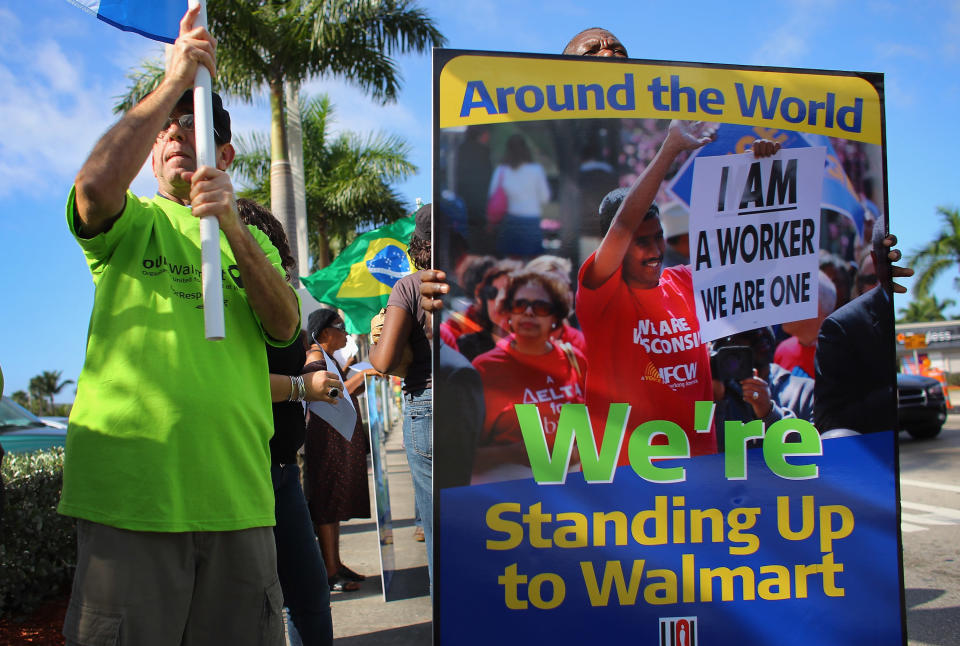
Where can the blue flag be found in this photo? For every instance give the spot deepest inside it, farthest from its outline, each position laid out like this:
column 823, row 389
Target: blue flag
column 155, row 19
column 838, row 191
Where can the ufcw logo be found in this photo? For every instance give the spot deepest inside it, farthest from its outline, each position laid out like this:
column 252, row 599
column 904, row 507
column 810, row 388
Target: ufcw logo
column 678, row 631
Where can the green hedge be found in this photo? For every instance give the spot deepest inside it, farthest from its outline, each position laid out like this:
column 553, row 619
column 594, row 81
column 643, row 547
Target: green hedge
column 37, row 546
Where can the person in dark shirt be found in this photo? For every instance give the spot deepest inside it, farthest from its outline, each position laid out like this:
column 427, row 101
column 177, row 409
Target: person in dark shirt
column 300, row 566
column 471, row 178
column 855, row 363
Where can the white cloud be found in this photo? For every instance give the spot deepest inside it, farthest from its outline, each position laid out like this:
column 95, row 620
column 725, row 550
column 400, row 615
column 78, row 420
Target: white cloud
column 952, row 30
column 48, row 133
column 51, row 64
column 355, row 111
column 11, row 27
column 898, row 94
column 51, row 118
column 898, row 51
column 789, row 43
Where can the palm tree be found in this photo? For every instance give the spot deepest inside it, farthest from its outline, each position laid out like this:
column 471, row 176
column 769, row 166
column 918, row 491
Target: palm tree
column 48, row 384
column 21, row 397
column 264, row 43
column 937, row 256
column 38, row 395
column 347, row 177
column 923, row 308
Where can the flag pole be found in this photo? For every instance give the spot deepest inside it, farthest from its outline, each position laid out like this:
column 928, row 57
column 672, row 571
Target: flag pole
column 209, row 227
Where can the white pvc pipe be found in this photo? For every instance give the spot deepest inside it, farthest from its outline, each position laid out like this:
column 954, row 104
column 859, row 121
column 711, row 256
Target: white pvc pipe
column 209, row 227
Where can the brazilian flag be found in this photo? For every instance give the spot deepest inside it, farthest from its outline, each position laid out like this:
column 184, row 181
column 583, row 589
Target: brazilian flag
column 360, row 279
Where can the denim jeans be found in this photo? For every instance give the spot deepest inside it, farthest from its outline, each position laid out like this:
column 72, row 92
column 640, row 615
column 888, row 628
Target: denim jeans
column 303, row 577
column 418, row 440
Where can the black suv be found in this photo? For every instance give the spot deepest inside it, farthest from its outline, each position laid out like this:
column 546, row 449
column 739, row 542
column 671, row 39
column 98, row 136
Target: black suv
column 921, row 405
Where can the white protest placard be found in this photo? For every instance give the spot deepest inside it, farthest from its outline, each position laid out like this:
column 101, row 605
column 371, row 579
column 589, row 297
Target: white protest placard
column 755, row 239
column 342, row 416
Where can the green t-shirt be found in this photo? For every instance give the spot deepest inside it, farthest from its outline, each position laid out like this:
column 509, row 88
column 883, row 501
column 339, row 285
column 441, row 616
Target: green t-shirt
column 169, row 431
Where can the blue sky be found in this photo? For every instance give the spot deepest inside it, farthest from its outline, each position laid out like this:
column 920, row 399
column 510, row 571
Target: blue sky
column 60, row 70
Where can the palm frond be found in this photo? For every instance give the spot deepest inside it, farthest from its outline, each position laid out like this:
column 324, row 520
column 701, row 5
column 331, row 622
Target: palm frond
column 356, row 39
column 937, row 256
column 143, row 81
column 252, row 163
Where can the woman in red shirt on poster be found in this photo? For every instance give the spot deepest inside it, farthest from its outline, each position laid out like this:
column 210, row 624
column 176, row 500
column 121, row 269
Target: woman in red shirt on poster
column 527, row 367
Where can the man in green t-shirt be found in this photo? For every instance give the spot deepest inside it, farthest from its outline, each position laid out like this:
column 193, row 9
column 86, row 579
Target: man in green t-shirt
column 167, row 458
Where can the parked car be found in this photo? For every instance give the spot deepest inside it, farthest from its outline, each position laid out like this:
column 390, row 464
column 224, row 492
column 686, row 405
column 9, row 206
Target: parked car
column 22, row 432
column 55, row 422
column 921, row 405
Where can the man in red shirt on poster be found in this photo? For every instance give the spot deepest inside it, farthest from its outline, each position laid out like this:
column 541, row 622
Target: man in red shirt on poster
column 639, row 320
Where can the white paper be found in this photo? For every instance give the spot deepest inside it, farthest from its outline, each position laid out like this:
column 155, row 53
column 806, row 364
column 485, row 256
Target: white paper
column 342, row 416
column 770, row 209
column 363, row 365
column 347, row 352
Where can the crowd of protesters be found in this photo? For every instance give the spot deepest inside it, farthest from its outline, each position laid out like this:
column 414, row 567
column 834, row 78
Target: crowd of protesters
column 638, row 271
column 201, row 508
column 516, row 326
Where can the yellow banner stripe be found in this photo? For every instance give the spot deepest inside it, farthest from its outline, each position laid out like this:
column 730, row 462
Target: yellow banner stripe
column 492, row 89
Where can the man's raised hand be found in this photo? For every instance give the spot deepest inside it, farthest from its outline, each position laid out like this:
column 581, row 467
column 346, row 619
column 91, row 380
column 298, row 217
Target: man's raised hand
column 765, row 148
column 690, row 135
column 194, row 46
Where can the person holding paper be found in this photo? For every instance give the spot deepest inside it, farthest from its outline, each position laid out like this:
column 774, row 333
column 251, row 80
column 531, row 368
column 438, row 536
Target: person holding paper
column 335, row 467
column 640, row 320
column 595, row 41
column 167, row 463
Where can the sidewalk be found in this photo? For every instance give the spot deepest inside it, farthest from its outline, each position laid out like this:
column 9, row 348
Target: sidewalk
column 363, row 618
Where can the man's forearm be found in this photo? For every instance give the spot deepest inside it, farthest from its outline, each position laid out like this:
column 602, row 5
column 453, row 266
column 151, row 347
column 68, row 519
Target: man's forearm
column 269, row 295
column 644, row 190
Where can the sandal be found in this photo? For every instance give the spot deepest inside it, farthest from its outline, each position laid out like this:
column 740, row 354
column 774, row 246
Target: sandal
column 339, row 584
column 349, row 574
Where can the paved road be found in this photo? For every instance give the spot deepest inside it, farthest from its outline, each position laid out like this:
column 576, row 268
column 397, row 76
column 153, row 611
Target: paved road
column 930, row 503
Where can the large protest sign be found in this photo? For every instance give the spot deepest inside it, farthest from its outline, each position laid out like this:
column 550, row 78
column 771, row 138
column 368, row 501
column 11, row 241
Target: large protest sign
column 646, row 467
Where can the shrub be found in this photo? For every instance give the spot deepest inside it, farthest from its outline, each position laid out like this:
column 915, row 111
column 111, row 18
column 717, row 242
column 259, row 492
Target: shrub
column 37, row 546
